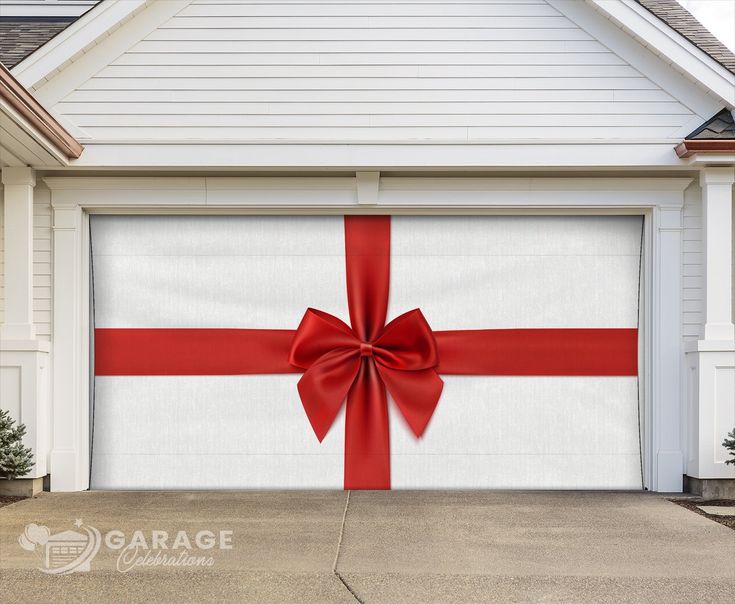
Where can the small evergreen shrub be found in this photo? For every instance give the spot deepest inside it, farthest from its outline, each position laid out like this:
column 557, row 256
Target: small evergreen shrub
column 15, row 459
column 729, row 444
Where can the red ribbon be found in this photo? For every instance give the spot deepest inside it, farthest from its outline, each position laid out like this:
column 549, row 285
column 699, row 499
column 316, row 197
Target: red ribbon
column 359, row 362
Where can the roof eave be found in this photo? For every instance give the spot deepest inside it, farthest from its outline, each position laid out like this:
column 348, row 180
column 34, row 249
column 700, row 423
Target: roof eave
column 663, row 39
column 21, row 101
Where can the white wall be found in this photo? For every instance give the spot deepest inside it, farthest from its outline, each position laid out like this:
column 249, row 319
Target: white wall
column 42, row 261
column 343, row 70
column 693, row 268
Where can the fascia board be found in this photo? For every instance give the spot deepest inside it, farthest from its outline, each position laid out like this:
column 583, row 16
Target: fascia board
column 74, row 39
column 656, row 34
column 32, row 133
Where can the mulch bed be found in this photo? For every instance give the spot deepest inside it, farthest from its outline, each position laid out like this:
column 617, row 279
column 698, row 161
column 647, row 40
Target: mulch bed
column 7, row 500
column 691, row 504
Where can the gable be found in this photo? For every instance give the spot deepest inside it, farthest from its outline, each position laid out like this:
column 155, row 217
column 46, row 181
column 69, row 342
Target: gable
column 225, row 70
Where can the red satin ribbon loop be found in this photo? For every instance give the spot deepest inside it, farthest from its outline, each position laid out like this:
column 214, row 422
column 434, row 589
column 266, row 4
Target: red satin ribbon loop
column 404, row 353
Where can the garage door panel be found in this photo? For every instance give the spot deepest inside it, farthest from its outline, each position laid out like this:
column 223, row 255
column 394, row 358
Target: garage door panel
column 195, row 471
column 584, row 471
column 499, row 415
column 206, row 415
column 467, row 292
column 217, row 236
column 515, row 235
column 466, row 272
column 216, row 291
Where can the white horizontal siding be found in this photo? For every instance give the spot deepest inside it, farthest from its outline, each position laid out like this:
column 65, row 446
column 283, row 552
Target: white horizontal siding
column 693, row 265
column 42, row 261
column 215, row 84
column 336, row 70
column 501, row 8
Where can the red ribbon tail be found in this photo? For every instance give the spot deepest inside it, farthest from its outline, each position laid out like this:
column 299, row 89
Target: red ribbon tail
column 367, row 437
column 416, row 394
column 324, row 386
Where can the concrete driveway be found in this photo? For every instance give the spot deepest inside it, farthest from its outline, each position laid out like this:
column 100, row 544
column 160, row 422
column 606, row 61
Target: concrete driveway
column 378, row 547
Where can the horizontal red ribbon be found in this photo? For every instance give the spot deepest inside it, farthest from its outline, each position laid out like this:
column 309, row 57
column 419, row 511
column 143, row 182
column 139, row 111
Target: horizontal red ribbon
column 184, row 351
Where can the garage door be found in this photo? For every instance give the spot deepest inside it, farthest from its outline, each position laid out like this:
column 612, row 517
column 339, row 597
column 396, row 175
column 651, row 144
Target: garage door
column 172, row 410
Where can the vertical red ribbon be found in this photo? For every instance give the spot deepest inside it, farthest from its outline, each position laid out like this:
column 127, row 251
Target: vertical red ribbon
column 367, row 437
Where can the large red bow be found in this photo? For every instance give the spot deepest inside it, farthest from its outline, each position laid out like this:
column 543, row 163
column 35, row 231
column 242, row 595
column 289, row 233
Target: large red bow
column 404, row 355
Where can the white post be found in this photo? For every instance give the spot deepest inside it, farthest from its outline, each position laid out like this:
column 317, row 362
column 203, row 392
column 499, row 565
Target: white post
column 711, row 361
column 18, row 186
column 24, row 360
column 717, row 202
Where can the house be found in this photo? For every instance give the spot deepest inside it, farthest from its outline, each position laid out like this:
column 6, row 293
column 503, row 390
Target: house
column 548, row 166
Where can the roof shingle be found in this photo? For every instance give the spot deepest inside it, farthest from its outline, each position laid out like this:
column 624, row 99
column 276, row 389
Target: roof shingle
column 681, row 20
column 720, row 127
column 20, row 36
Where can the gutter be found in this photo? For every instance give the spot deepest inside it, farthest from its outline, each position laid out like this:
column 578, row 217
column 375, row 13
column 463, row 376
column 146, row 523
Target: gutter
column 21, row 101
column 689, row 147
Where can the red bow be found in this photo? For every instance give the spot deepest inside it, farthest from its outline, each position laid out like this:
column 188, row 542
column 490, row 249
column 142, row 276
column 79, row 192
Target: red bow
column 404, row 355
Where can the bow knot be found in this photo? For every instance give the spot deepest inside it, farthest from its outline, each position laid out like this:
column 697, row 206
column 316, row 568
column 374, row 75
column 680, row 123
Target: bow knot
column 404, row 354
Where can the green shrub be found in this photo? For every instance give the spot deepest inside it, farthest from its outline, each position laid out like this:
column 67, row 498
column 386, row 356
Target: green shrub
column 15, row 459
column 729, row 444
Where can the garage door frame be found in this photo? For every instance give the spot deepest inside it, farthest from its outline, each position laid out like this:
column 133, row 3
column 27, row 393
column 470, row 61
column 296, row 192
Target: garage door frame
column 659, row 200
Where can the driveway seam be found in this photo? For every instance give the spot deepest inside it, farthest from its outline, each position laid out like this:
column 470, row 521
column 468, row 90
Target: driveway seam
column 339, row 548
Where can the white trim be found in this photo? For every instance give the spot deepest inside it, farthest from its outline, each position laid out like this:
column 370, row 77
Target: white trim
column 73, row 56
column 31, row 134
column 370, row 156
column 659, row 200
column 86, row 65
column 633, row 47
column 18, row 185
column 99, row 193
column 368, row 185
column 665, row 427
column 70, row 424
column 679, row 51
column 708, row 159
column 717, row 197
column 74, row 39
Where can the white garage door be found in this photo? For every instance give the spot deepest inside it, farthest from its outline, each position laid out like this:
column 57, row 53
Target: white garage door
column 464, row 273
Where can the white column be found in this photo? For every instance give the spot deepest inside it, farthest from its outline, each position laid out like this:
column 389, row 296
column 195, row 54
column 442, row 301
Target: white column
column 18, row 186
column 717, row 199
column 667, row 457
column 70, row 431
column 24, row 360
column 711, row 361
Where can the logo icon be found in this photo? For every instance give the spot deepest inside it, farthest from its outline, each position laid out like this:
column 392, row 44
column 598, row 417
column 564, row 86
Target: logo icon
column 63, row 553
